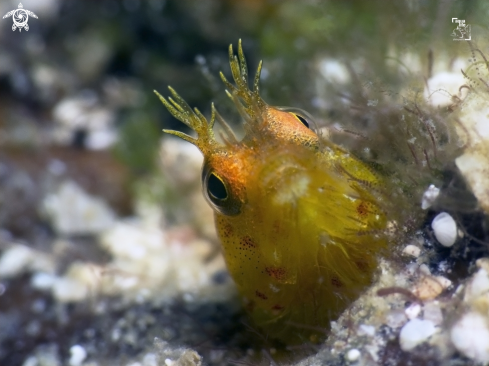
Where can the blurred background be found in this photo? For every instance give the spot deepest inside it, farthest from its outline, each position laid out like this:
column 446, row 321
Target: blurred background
column 87, row 177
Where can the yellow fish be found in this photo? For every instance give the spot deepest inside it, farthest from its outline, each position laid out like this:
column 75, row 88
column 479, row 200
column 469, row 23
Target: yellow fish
column 300, row 219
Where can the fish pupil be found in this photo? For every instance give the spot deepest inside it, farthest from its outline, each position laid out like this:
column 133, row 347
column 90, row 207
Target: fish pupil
column 303, row 120
column 216, row 187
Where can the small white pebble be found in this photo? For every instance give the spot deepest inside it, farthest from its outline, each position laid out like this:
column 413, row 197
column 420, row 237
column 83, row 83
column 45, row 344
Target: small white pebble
column 15, row 260
column 413, row 310
column 415, row 332
column 78, row 355
column 43, row 281
column 69, row 290
column 445, row 229
column 168, row 362
column 478, row 285
column 368, row 330
column 470, row 335
column 31, row 361
column 353, row 355
column 429, row 197
column 412, row 250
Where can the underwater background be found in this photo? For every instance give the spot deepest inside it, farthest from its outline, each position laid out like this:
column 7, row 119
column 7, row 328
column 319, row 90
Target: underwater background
column 108, row 252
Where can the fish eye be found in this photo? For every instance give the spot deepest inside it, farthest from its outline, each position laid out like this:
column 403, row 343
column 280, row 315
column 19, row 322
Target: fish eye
column 302, row 116
column 219, row 193
column 216, row 188
column 301, row 119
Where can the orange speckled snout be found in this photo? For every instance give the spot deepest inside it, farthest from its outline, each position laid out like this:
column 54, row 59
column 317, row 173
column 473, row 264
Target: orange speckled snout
column 287, row 127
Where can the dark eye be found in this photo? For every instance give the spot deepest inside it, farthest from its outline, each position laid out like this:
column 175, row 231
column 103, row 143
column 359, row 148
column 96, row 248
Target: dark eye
column 302, row 116
column 219, row 193
column 301, row 119
column 216, row 188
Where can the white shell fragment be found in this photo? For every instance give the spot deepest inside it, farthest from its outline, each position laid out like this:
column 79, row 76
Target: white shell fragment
column 445, row 229
column 470, row 335
column 412, row 311
column 73, row 211
column 78, row 355
column 15, row 260
column 415, row 332
column 353, row 355
column 429, row 197
column 412, row 251
column 478, row 285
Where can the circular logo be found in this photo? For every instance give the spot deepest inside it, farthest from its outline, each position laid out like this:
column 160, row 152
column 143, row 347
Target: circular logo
column 20, row 18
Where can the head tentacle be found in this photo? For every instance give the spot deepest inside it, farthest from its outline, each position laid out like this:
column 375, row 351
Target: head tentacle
column 241, row 92
column 248, row 103
column 194, row 119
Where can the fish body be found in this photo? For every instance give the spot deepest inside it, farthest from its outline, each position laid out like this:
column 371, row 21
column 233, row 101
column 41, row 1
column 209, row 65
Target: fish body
column 299, row 218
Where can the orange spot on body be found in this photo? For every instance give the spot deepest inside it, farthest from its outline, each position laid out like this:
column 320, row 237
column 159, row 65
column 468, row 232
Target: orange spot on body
column 227, row 230
column 247, row 242
column 277, row 273
column 277, row 309
column 261, row 295
column 336, row 282
column 362, row 209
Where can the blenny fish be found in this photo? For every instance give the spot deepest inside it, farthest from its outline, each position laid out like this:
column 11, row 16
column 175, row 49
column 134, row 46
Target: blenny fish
column 300, row 219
